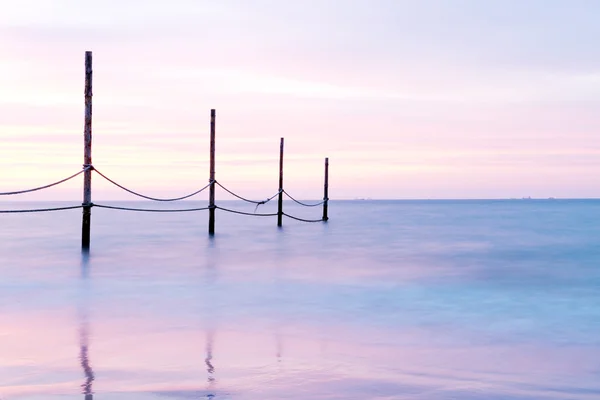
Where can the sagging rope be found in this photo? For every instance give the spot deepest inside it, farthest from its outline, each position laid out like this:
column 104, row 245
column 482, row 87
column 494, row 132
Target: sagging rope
column 149, row 209
column 88, row 167
column 301, row 203
column 154, row 210
column 148, row 197
column 302, row 219
column 45, row 186
column 258, row 203
column 268, row 215
column 246, row 213
column 39, row 210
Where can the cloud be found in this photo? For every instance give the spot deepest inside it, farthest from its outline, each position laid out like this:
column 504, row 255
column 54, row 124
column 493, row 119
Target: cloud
column 387, row 85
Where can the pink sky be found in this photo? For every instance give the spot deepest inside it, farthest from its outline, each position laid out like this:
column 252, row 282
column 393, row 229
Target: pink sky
column 428, row 99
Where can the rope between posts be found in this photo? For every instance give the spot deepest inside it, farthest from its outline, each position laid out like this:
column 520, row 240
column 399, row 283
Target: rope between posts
column 301, row 203
column 45, row 186
column 246, row 213
column 39, row 210
column 245, row 199
column 149, row 209
column 303, row 220
column 148, row 197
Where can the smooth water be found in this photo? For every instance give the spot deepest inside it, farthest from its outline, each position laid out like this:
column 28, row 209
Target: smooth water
column 388, row 300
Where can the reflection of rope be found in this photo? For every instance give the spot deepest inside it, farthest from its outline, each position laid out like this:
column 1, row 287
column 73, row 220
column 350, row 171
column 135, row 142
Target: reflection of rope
column 303, row 220
column 304, row 204
column 39, row 210
column 244, row 199
column 148, row 197
column 45, row 186
column 246, row 213
column 149, row 209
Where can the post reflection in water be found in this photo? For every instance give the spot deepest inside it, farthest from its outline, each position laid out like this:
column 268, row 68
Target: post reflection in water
column 211, row 313
column 211, row 278
column 84, row 359
column 279, row 346
column 85, row 363
column 279, row 276
column 85, row 264
column 209, row 366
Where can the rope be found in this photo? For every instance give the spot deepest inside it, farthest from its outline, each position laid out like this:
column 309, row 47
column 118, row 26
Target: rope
column 246, row 213
column 39, row 210
column 301, row 203
column 247, row 200
column 303, row 220
column 45, row 186
column 148, row 209
column 148, row 197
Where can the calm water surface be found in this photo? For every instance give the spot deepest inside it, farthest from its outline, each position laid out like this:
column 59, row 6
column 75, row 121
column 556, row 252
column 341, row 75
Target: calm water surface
column 389, row 300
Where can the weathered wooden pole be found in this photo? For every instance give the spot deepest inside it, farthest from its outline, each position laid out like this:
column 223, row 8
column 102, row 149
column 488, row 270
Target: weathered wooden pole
column 326, row 190
column 87, row 156
column 211, row 195
column 280, row 198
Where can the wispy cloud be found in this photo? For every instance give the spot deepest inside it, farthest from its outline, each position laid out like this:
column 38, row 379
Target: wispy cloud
column 423, row 93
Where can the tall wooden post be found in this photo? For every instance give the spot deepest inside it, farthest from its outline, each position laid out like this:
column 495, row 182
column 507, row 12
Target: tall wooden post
column 87, row 157
column 280, row 198
column 211, row 195
column 326, row 190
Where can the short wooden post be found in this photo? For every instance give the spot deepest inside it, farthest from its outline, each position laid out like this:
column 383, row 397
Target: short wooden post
column 280, row 198
column 87, row 157
column 326, row 190
column 211, row 195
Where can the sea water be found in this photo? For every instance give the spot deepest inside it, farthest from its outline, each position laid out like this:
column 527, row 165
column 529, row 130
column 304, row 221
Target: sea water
column 388, row 300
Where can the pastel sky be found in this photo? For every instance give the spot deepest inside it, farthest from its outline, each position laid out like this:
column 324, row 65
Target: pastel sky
column 408, row 99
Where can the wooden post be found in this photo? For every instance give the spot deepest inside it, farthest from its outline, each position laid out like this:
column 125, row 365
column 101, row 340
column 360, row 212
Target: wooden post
column 211, row 195
column 87, row 157
column 280, row 198
column 326, row 190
